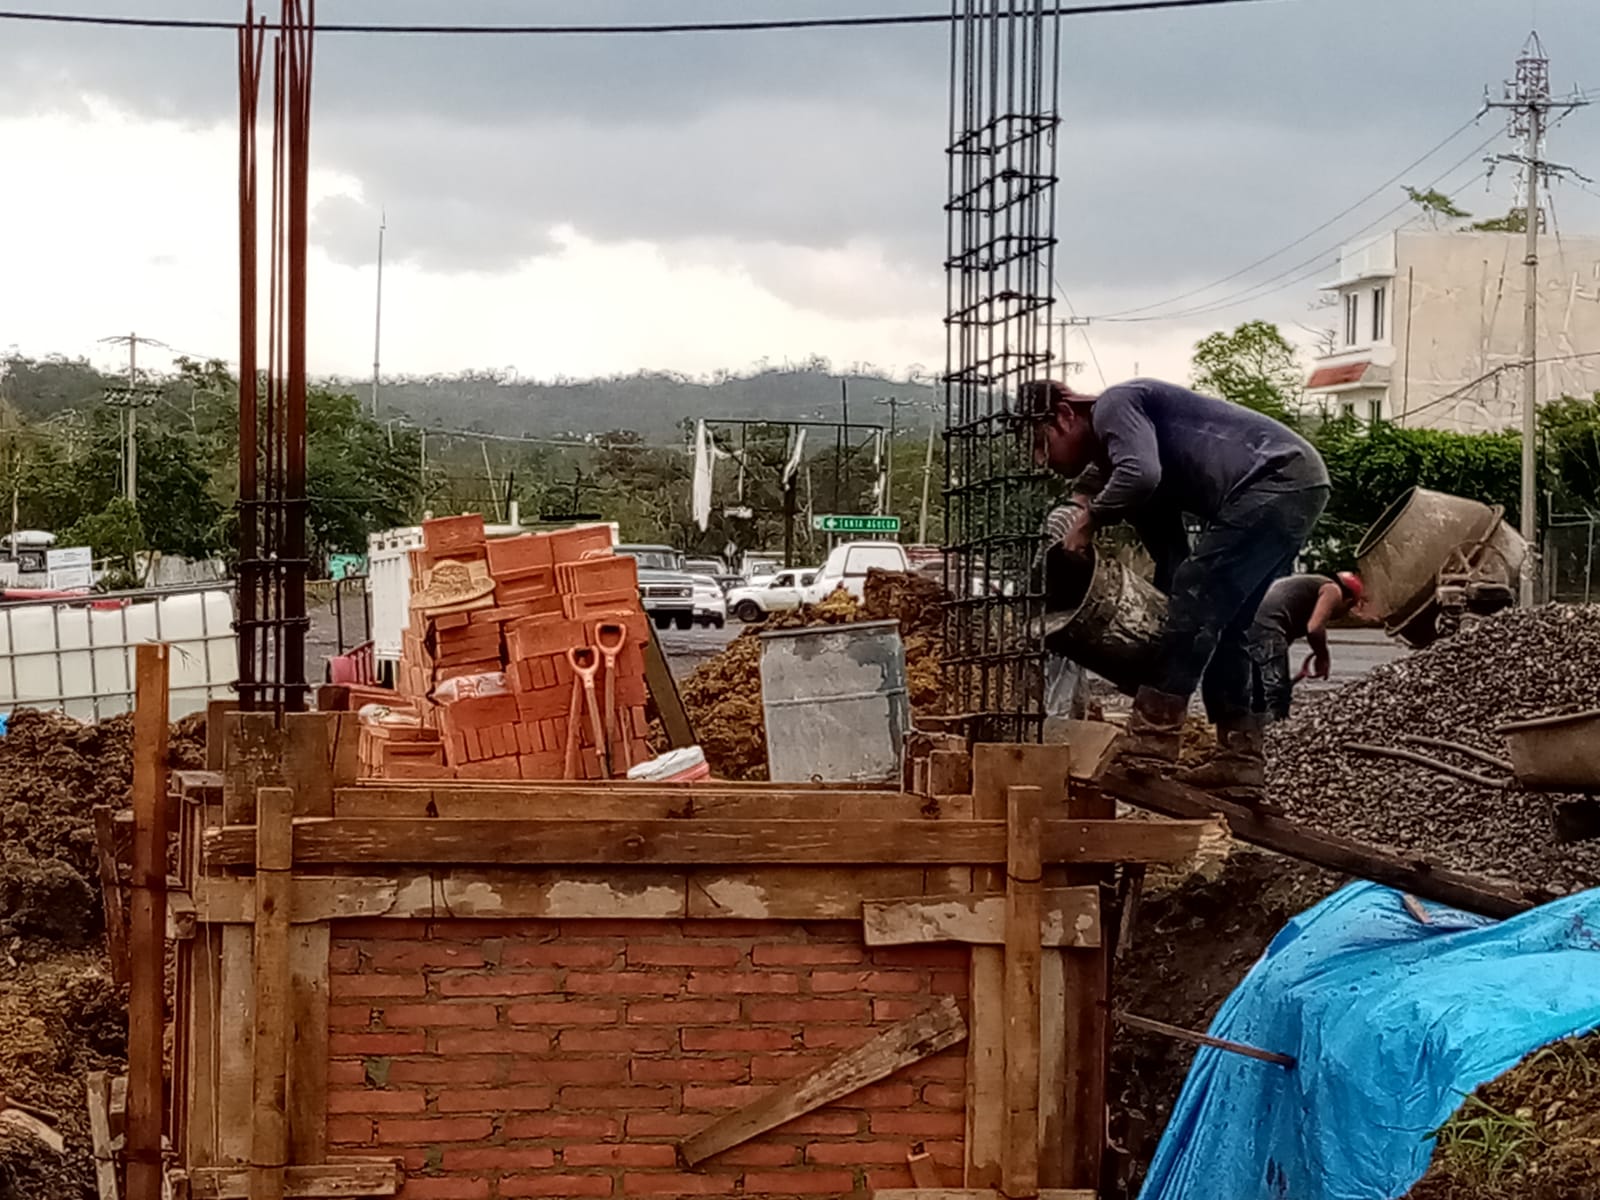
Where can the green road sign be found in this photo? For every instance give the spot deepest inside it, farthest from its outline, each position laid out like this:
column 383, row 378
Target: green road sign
column 837, row 524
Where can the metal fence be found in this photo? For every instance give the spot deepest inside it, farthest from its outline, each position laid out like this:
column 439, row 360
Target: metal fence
column 1571, row 566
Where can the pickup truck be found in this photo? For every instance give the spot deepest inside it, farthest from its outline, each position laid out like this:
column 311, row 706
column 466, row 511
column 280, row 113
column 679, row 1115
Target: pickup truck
column 847, row 566
column 665, row 589
column 775, row 593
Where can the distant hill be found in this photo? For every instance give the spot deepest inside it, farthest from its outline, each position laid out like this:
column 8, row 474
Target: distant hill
column 654, row 404
column 651, row 403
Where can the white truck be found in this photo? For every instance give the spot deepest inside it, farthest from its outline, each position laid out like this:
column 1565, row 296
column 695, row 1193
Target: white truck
column 780, row 592
column 847, row 566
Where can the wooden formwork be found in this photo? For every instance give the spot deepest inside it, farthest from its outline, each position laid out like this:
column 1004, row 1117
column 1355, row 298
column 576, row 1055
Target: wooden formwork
column 990, row 851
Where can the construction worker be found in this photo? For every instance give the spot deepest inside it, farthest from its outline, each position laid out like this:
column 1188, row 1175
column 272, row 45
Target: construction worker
column 1295, row 607
column 1150, row 453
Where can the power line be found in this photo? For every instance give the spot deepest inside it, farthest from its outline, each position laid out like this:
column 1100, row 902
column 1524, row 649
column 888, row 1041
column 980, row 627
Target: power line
column 881, row 20
column 1309, row 234
column 1316, row 262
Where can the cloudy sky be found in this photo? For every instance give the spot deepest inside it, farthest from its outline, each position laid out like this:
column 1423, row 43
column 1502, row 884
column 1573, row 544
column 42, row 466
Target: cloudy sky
column 572, row 206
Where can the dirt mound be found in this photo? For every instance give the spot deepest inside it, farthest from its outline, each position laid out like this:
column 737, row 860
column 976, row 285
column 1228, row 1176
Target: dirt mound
column 723, row 694
column 1513, row 665
column 1194, row 938
column 1532, row 1134
column 60, row 1013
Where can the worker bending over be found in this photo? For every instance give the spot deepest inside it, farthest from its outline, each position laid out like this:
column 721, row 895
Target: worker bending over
column 1148, row 453
column 1299, row 606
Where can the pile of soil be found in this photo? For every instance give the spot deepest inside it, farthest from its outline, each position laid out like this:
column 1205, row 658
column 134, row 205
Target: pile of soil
column 1532, row 1134
column 60, row 1013
column 1521, row 663
column 1194, row 937
column 723, row 694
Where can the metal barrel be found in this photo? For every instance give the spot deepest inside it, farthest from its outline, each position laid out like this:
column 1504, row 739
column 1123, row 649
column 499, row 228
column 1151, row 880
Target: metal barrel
column 835, row 702
column 1105, row 617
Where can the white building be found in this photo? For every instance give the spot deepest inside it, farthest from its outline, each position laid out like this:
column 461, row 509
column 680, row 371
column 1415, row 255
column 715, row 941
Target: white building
column 1430, row 328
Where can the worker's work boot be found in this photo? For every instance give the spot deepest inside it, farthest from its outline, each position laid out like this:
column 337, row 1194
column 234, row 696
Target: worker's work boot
column 1239, row 765
column 1155, row 730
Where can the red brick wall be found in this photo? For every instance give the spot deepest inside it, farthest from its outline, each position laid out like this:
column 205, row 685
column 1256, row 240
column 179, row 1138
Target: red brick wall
column 507, row 1059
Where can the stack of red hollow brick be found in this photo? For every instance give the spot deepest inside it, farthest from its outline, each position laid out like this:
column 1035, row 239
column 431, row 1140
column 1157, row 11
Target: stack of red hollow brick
column 524, row 660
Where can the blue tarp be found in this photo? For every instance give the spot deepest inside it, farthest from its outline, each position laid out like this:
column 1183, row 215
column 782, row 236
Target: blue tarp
column 1393, row 1022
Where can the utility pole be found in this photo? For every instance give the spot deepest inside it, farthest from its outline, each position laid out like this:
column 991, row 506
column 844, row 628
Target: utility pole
column 886, row 504
column 1527, row 99
column 927, row 474
column 377, row 320
column 130, row 402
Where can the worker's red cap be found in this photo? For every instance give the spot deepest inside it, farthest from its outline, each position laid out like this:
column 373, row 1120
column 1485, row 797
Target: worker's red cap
column 1351, row 582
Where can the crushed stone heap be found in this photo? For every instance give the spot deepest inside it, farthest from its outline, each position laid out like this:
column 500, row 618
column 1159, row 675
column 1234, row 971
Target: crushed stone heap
column 1521, row 663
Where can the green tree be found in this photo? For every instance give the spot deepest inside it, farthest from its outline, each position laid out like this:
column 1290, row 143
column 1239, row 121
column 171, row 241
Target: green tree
column 1515, row 221
column 1569, row 431
column 360, row 477
column 113, row 534
column 1435, row 205
column 1254, row 366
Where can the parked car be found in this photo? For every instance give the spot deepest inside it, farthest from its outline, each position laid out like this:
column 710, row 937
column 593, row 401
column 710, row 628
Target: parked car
column 710, row 605
column 665, row 590
column 705, row 566
column 757, row 567
column 780, row 593
column 847, row 567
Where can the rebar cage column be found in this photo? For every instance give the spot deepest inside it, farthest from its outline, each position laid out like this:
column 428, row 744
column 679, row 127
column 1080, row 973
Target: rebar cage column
column 999, row 269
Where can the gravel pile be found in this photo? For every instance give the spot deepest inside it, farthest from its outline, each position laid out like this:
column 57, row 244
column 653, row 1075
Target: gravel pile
column 1518, row 664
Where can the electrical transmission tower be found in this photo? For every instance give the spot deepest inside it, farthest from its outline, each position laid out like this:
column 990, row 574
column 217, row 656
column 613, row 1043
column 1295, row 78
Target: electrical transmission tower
column 1530, row 107
column 128, row 401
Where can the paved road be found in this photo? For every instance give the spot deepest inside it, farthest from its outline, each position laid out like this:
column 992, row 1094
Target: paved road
column 688, row 648
column 1354, row 653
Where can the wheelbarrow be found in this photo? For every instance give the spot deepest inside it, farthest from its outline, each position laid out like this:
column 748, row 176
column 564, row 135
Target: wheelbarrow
column 1556, row 754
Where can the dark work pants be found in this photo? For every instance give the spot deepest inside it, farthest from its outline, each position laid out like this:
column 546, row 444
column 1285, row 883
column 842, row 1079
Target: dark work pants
column 1272, row 689
column 1216, row 590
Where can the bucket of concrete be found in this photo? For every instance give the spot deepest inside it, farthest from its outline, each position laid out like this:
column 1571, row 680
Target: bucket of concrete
column 1104, row 616
column 1556, row 754
column 1401, row 556
column 835, row 701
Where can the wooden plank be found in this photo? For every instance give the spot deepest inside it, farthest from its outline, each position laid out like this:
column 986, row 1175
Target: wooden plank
column 235, row 1019
column 331, row 1181
column 664, row 691
column 921, row 1193
column 97, row 1085
column 105, row 849
column 269, row 1134
column 794, row 893
column 644, row 842
column 899, row 1045
column 181, row 915
column 949, row 773
column 645, row 801
column 1071, row 917
column 308, row 762
column 216, row 732
column 308, row 1050
column 1172, row 798
column 147, row 925
column 253, row 756
column 1076, row 1160
column 1019, row 1163
column 346, row 748
column 1053, row 1065
column 198, row 1086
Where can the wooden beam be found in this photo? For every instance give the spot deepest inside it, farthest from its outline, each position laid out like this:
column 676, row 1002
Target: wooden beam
column 793, row 893
column 105, row 851
column 308, row 1050
column 645, row 842
column 199, row 1085
column 236, row 1021
column 903, row 1043
column 269, row 1138
column 1019, row 1174
column 1075, row 1154
column 1174, row 799
column 949, row 773
column 334, row 1181
column 252, row 759
column 216, row 732
column 98, row 1088
column 621, row 801
column 664, row 692
column 308, row 762
column 1071, row 917
column 148, row 924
